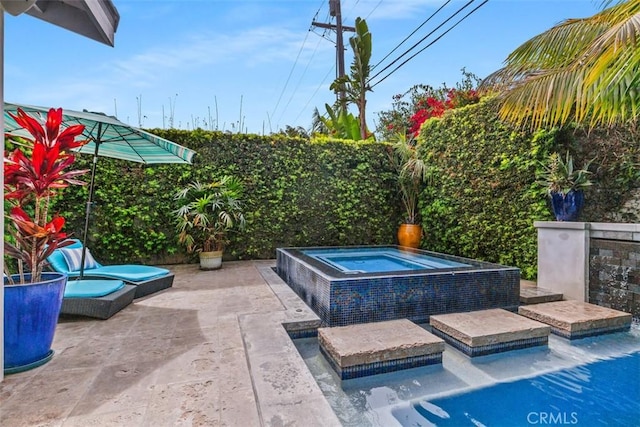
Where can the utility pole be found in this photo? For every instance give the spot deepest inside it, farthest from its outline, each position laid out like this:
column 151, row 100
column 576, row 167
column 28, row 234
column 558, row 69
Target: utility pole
column 334, row 10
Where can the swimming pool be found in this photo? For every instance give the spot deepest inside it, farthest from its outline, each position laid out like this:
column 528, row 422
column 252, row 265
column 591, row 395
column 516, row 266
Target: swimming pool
column 379, row 261
column 596, row 393
column 592, row 381
column 348, row 285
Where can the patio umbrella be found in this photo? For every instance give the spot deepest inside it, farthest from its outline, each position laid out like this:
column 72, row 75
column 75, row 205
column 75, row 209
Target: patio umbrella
column 107, row 137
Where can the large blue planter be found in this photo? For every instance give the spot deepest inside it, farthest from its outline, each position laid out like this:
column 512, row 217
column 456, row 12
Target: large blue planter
column 30, row 318
column 566, row 207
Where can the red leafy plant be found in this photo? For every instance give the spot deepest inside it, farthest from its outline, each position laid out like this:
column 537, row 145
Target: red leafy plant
column 33, row 173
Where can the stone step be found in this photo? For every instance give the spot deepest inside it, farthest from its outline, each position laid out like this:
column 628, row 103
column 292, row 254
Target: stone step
column 478, row 333
column 575, row 319
column 535, row 295
column 373, row 348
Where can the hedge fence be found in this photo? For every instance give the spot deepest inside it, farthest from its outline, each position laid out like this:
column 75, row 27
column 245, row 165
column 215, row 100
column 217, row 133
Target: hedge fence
column 484, row 198
column 298, row 193
column 481, row 202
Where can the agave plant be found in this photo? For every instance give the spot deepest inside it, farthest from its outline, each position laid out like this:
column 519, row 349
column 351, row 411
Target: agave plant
column 208, row 212
column 33, row 173
column 560, row 176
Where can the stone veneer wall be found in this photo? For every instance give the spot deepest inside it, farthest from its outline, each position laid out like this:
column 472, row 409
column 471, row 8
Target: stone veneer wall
column 614, row 274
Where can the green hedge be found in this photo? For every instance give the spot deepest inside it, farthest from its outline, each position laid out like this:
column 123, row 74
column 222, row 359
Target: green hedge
column 482, row 202
column 484, row 198
column 616, row 156
column 298, row 193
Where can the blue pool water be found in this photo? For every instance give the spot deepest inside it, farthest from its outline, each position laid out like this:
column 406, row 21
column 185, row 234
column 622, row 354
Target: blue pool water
column 606, row 392
column 379, row 260
column 588, row 382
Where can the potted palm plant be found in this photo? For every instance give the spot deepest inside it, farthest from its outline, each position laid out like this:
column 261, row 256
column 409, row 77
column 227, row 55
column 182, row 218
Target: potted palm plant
column 34, row 172
column 207, row 214
column 565, row 186
column 411, row 174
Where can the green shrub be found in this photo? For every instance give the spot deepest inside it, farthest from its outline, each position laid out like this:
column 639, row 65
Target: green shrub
column 485, row 199
column 298, row 193
column 482, row 202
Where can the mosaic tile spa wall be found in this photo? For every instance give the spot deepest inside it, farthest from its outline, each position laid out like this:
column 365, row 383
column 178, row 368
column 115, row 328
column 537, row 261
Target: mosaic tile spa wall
column 341, row 299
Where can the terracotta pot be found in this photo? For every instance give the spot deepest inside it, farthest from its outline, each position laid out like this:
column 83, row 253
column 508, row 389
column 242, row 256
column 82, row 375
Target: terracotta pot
column 410, row 235
column 210, row 260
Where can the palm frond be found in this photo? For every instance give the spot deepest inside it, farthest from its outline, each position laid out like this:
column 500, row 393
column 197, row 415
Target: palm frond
column 582, row 69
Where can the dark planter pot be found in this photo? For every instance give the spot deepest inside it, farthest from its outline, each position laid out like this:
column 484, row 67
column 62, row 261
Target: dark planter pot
column 30, row 318
column 566, row 207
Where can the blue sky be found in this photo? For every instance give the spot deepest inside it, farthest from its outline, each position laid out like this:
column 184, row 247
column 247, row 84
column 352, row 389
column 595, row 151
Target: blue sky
column 256, row 60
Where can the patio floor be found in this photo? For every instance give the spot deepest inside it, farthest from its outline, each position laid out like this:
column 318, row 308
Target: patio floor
column 210, row 351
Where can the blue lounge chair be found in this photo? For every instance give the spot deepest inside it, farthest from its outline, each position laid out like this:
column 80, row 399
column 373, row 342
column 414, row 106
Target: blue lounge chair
column 100, row 299
column 147, row 279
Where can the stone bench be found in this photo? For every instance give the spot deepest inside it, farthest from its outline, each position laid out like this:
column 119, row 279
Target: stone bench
column 478, row 333
column 575, row 319
column 373, row 348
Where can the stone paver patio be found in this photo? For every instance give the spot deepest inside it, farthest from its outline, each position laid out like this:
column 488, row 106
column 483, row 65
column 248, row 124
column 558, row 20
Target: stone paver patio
column 211, row 351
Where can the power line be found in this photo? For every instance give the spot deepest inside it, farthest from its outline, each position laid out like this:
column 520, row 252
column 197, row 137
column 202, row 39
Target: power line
column 293, row 92
column 335, row 10
column 373, row 10
column 430, row 44
column 315, row 92
column 294, row 64
column 412, row 33
column 421, row 40
column 286, row 83
column 345, row 16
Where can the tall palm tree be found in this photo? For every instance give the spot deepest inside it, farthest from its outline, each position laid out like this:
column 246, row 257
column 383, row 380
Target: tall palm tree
column 587, row 70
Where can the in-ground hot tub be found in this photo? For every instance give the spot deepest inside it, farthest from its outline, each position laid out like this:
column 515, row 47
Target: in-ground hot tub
column 347, row 285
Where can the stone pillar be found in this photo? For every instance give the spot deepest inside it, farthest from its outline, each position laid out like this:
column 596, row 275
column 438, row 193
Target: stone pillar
column 563, row 258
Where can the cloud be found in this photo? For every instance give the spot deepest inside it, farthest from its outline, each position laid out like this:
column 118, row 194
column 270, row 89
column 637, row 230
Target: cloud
column 255, row 51
column 255, row 46
column 153, row 67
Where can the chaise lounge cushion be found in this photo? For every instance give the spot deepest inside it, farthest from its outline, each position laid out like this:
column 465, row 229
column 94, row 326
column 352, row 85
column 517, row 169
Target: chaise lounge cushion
column 147, row 279
column 91, row 288
column 128, row 272
column 98, row 307
column 68, row 259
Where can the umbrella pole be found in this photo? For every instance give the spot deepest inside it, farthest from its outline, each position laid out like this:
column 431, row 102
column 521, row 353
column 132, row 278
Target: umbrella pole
column 88, row 209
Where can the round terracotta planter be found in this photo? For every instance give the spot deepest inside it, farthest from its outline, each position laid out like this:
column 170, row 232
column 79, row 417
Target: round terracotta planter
column 410, row 235
column 210, row 260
